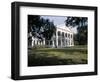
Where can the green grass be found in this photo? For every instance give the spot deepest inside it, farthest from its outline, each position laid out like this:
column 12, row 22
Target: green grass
column 57, row 56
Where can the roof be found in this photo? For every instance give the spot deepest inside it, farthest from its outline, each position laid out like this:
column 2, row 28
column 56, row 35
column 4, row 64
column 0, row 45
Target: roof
column 65, row 28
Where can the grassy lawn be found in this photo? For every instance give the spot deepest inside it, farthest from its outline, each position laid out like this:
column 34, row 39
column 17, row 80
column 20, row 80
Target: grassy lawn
column 57, row 56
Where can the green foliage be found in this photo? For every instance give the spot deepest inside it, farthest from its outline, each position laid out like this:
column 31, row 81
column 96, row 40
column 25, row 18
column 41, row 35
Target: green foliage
column 49, row 29
column 40, row 28
column 81, row 23
column 82, row 35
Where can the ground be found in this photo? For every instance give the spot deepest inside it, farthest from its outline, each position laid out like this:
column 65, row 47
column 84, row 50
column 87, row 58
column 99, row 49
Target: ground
column 57, row 56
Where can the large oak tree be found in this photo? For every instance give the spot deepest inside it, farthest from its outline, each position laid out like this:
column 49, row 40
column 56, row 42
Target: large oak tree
column 82, row 25
column 40, row 27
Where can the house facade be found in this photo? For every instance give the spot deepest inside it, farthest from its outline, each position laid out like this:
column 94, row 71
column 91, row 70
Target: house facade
column 62, row 38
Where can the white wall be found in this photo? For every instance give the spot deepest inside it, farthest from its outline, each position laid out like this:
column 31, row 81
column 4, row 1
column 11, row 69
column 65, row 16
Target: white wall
column 5, row 41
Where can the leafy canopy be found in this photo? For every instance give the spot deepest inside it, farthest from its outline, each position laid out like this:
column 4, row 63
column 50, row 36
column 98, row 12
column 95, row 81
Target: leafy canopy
column 40, row 27
column 81, row 23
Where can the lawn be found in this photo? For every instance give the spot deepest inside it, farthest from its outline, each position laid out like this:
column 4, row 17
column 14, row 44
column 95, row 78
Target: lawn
column 57, row 56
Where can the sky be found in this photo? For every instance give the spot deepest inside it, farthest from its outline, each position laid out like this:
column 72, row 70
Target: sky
column 58, row 20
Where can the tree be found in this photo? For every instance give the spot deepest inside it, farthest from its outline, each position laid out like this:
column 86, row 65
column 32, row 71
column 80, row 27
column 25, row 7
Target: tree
column 81, row 24
column 40, row 27
column 34, row 25
column 49, row 29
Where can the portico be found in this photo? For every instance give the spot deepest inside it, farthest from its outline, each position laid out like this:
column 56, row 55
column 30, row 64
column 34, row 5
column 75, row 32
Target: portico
column 62, row 38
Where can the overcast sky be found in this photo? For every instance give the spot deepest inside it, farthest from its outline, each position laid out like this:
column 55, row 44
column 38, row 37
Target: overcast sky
column 58, row 20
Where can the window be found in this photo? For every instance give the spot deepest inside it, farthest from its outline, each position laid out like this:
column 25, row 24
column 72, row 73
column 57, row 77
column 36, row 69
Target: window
column 66, row 35
column 34, row 42
column 71, row 35
column 66, row 42
column 37, row 42
column 62, row 34
column 59, row 42
column 59, row 33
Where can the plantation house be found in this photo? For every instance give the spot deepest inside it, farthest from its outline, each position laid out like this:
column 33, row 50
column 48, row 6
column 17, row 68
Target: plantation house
column 62, row 38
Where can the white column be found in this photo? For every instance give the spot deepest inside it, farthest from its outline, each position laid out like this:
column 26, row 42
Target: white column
column 35, row 42
column 73, row 39
column 52, row 43
column 68, row 41
column 56, row 39
column 64, row 40
column 38, row 42
column 43, row 41
column 61, row 39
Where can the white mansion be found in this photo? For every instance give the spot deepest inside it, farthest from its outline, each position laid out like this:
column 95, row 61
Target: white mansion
column 62, row 38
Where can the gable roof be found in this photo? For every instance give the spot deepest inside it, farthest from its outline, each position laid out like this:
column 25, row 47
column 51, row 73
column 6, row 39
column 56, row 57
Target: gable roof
column 65, row 28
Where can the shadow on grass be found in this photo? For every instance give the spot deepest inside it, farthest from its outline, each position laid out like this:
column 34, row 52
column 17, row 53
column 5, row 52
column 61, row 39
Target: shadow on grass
column 38, row 60
column 70, row 51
